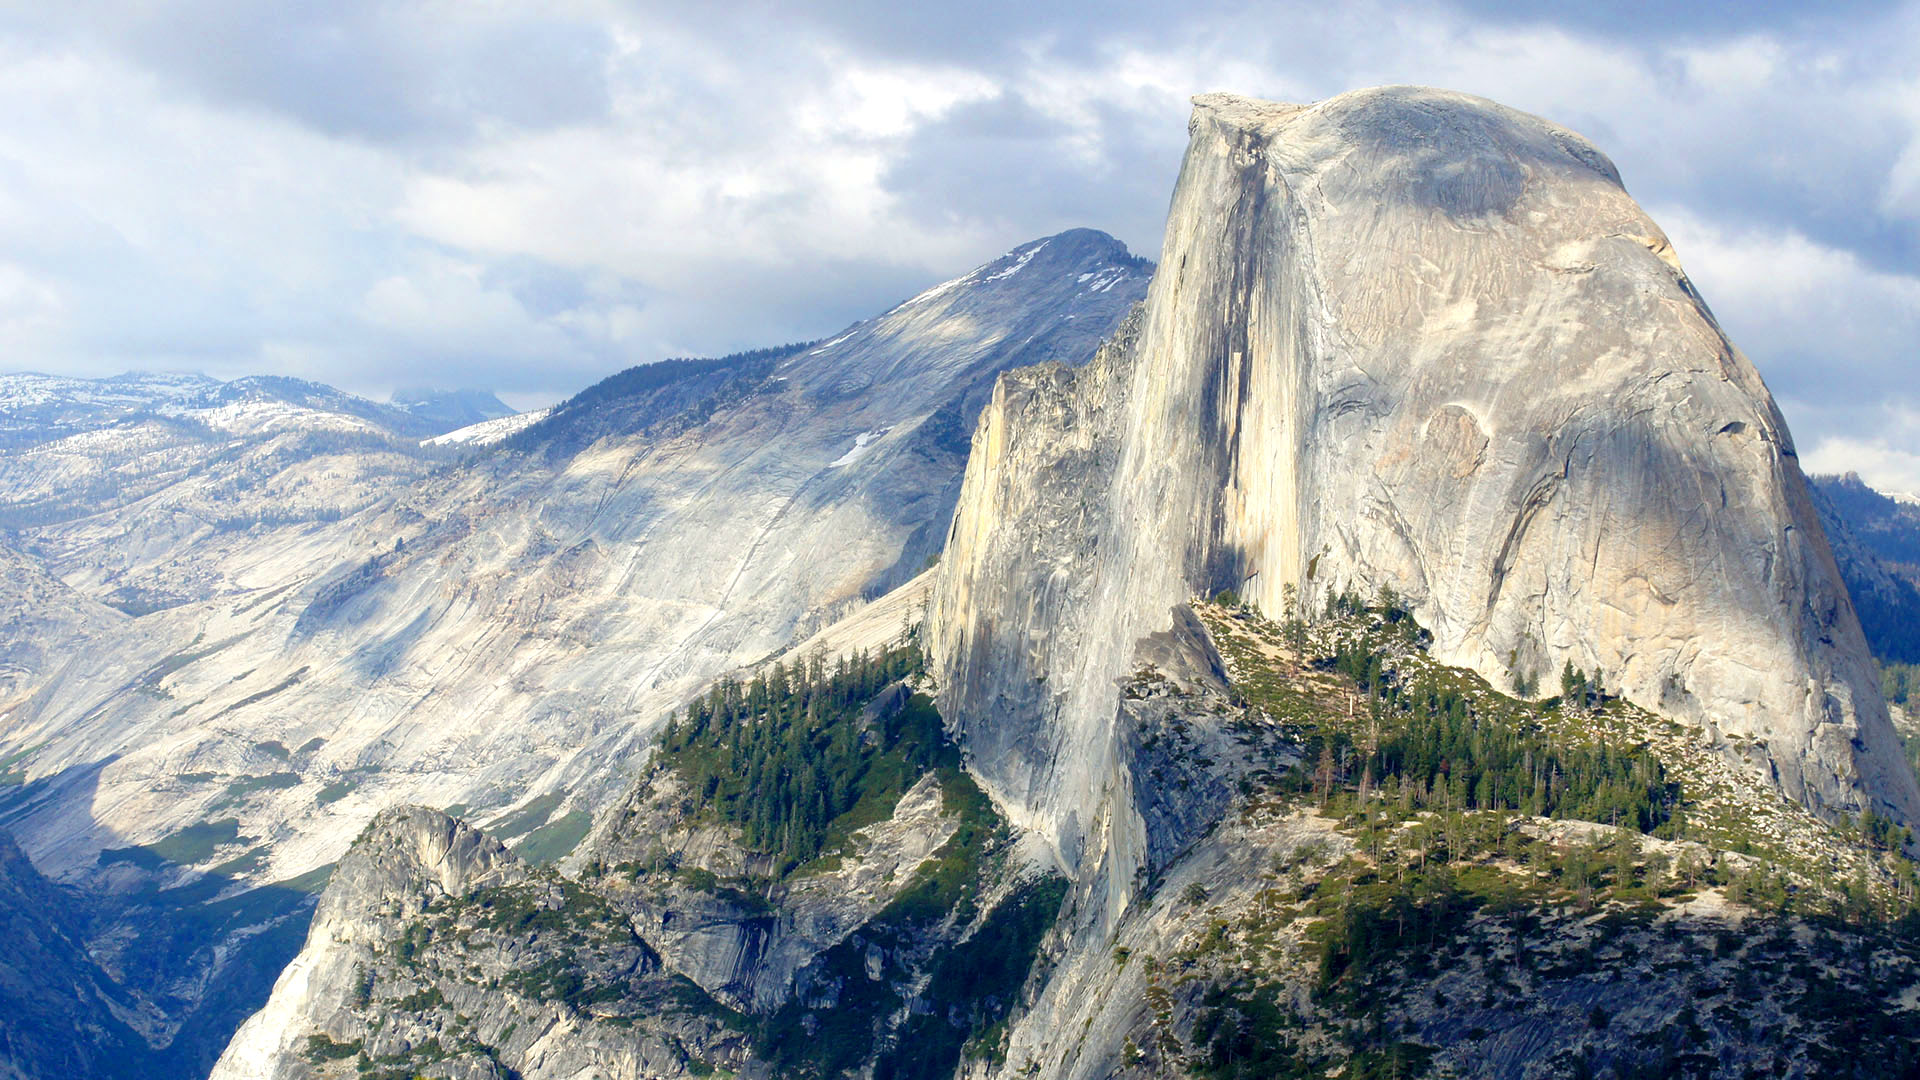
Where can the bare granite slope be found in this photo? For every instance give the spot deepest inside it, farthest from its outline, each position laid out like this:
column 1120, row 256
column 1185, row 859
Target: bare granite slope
column 330, row 620
column 1405, row 339
column 507, row 627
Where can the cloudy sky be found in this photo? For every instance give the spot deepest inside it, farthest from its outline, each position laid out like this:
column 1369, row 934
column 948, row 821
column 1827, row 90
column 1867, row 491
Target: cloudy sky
column 527, row 196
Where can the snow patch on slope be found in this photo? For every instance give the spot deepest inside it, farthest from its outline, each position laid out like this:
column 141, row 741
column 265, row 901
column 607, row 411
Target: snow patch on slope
column 861, row 443
column 1018, row 264
column 489, row 432
column 832, row 343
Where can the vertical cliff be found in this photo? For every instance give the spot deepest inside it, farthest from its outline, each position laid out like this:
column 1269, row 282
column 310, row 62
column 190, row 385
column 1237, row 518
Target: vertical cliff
column 1415, row 340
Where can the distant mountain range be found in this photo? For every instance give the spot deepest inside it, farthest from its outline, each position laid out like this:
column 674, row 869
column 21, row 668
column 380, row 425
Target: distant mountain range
column 448, row 410
column 1876, row 540
column 38, row 408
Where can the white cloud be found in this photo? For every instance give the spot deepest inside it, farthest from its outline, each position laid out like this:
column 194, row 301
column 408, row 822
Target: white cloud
column 1889, row 463
column 29, row 308
column 1822, row 325
column 537, row 194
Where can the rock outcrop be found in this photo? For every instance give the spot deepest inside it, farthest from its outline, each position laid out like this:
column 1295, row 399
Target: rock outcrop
column 1413, row 340
column 677, row 948
column 408, row 858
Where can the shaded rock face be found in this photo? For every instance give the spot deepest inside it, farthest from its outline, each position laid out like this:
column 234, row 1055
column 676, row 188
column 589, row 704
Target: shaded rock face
column 1411, row 339
column 63, row 1016
column 1876, row 542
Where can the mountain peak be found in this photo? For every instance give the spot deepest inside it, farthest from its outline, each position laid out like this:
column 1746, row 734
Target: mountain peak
column 1450, row 149
column 1408, row 340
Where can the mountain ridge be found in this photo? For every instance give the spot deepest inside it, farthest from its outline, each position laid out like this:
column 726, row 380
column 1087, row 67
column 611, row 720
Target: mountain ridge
column 492, row 629
column 1238, row 800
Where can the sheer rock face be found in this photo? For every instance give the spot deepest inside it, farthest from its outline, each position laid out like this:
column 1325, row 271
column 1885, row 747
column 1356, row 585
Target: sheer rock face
column 1412, row 339
column 408, row 857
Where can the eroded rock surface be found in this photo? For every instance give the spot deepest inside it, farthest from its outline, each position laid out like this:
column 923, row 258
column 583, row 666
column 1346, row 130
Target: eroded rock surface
column 1405, row 339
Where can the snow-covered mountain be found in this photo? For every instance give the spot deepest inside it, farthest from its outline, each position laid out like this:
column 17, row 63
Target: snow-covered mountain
column 488, row 432
column 137, row 491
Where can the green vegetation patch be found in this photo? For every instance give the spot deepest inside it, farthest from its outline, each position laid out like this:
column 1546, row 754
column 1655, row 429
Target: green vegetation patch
column 1435, row 737
column 1901, row 685
column 335, row 791
column 11, row 774
column 527, row 818
column 553, row 841
column 1439, row 779
column 975, row 985
column 247, row 785
column 253, row 859
column 338, row 789
column 946, row 882
column 321, row 1048
column 193, row 844
column 798, row 762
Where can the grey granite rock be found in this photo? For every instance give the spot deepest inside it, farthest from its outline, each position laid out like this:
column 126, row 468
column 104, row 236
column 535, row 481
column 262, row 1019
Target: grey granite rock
column 1406, row 339
column 515, row 624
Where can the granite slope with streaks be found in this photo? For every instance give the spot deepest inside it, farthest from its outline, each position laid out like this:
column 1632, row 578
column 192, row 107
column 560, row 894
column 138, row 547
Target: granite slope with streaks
column 1413, row 339
column 507, row 627
column 496, row 632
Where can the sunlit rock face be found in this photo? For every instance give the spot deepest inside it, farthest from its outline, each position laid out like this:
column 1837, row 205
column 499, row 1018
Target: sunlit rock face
column 1413, row 339
column 488, row 630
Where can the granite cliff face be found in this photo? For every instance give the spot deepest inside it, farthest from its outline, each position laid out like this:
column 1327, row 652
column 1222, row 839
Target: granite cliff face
column 1416, row 368
column 407, row 859
column 1405, row 339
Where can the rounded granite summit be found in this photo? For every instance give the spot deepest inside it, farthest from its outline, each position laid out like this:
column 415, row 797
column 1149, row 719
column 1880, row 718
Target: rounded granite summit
column 1412, row 339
